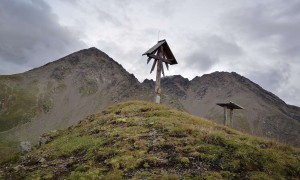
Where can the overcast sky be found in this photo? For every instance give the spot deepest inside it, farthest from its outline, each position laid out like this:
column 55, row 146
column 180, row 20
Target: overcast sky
column 257, row 39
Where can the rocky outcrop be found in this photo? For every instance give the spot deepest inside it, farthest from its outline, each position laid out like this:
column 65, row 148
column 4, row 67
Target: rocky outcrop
column 25, row 147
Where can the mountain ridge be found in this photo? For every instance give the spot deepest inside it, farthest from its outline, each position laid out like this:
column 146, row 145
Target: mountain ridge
column 64, row 91
column 57, row 93
column 205, row 91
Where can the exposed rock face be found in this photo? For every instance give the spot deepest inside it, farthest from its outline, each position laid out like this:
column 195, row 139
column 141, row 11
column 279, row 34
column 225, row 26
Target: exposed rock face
column 62, row 92
column 176, row 85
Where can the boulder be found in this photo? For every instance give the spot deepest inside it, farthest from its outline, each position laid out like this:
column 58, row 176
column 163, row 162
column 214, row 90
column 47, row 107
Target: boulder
column 25, row 147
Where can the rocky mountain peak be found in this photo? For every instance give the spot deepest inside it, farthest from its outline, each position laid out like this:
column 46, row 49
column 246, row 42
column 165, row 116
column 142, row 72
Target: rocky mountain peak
column 217, row 77
column 149, row 83
column 177, row 79
column 83, row 56
column 57, row 89
column 230, row 81
column 90, row 64
column 92, row 51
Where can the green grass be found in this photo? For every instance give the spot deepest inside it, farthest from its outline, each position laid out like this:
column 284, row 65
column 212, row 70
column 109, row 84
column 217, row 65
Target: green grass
column 9, row 150
column 19, row 105
column 71, row 144
column 140, row 140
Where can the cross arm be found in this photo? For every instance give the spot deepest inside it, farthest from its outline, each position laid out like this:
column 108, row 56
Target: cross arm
column 159, row 58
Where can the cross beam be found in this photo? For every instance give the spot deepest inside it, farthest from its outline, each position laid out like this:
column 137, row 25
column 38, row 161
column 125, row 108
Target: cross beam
column 160, row 58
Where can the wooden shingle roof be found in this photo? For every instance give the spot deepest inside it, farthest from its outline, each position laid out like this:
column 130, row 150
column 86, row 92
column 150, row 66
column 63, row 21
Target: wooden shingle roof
column 167, row 51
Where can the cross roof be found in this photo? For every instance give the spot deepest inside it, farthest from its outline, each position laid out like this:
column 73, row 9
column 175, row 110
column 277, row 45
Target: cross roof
column 167, row 51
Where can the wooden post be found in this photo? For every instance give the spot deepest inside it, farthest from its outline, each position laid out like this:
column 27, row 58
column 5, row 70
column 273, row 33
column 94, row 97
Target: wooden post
column 158, row 75
column 231, row 117
column 225, row 115
column 231, row 106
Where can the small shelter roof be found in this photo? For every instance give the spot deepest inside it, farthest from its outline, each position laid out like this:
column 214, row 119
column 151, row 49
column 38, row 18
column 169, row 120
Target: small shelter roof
column 167, row 51
column 230, row 105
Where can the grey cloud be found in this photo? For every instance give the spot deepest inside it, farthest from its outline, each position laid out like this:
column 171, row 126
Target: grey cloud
column 30, row 34
column 106, row 17
column 71, row 2
column 291, row 94
column 270, row 32
column 209, row 50
column 108, row 47
column 277, row 80
column 276, row 23
column 200, row 61
column 217, row 45
column 166, row 7
column 273, row 78
column 132, row 59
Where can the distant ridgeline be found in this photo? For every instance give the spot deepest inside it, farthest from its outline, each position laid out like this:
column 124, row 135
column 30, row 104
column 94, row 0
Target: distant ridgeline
column 61, row 93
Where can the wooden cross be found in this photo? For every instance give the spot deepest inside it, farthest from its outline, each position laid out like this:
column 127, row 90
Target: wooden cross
column 231, row 106
column 161, row 53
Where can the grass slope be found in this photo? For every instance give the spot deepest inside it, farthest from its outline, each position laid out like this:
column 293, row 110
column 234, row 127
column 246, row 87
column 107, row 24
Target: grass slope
column 141, row 140
column 19, row 104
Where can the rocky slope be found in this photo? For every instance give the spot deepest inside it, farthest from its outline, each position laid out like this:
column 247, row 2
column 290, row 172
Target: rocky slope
column 62, row 92
column 141, row 140
column 265, row 114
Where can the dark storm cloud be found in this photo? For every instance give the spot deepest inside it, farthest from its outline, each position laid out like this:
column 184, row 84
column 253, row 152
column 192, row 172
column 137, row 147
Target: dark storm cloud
column 30, row 35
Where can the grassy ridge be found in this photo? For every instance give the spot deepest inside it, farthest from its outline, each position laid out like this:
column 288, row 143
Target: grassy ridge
column 143, row 140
